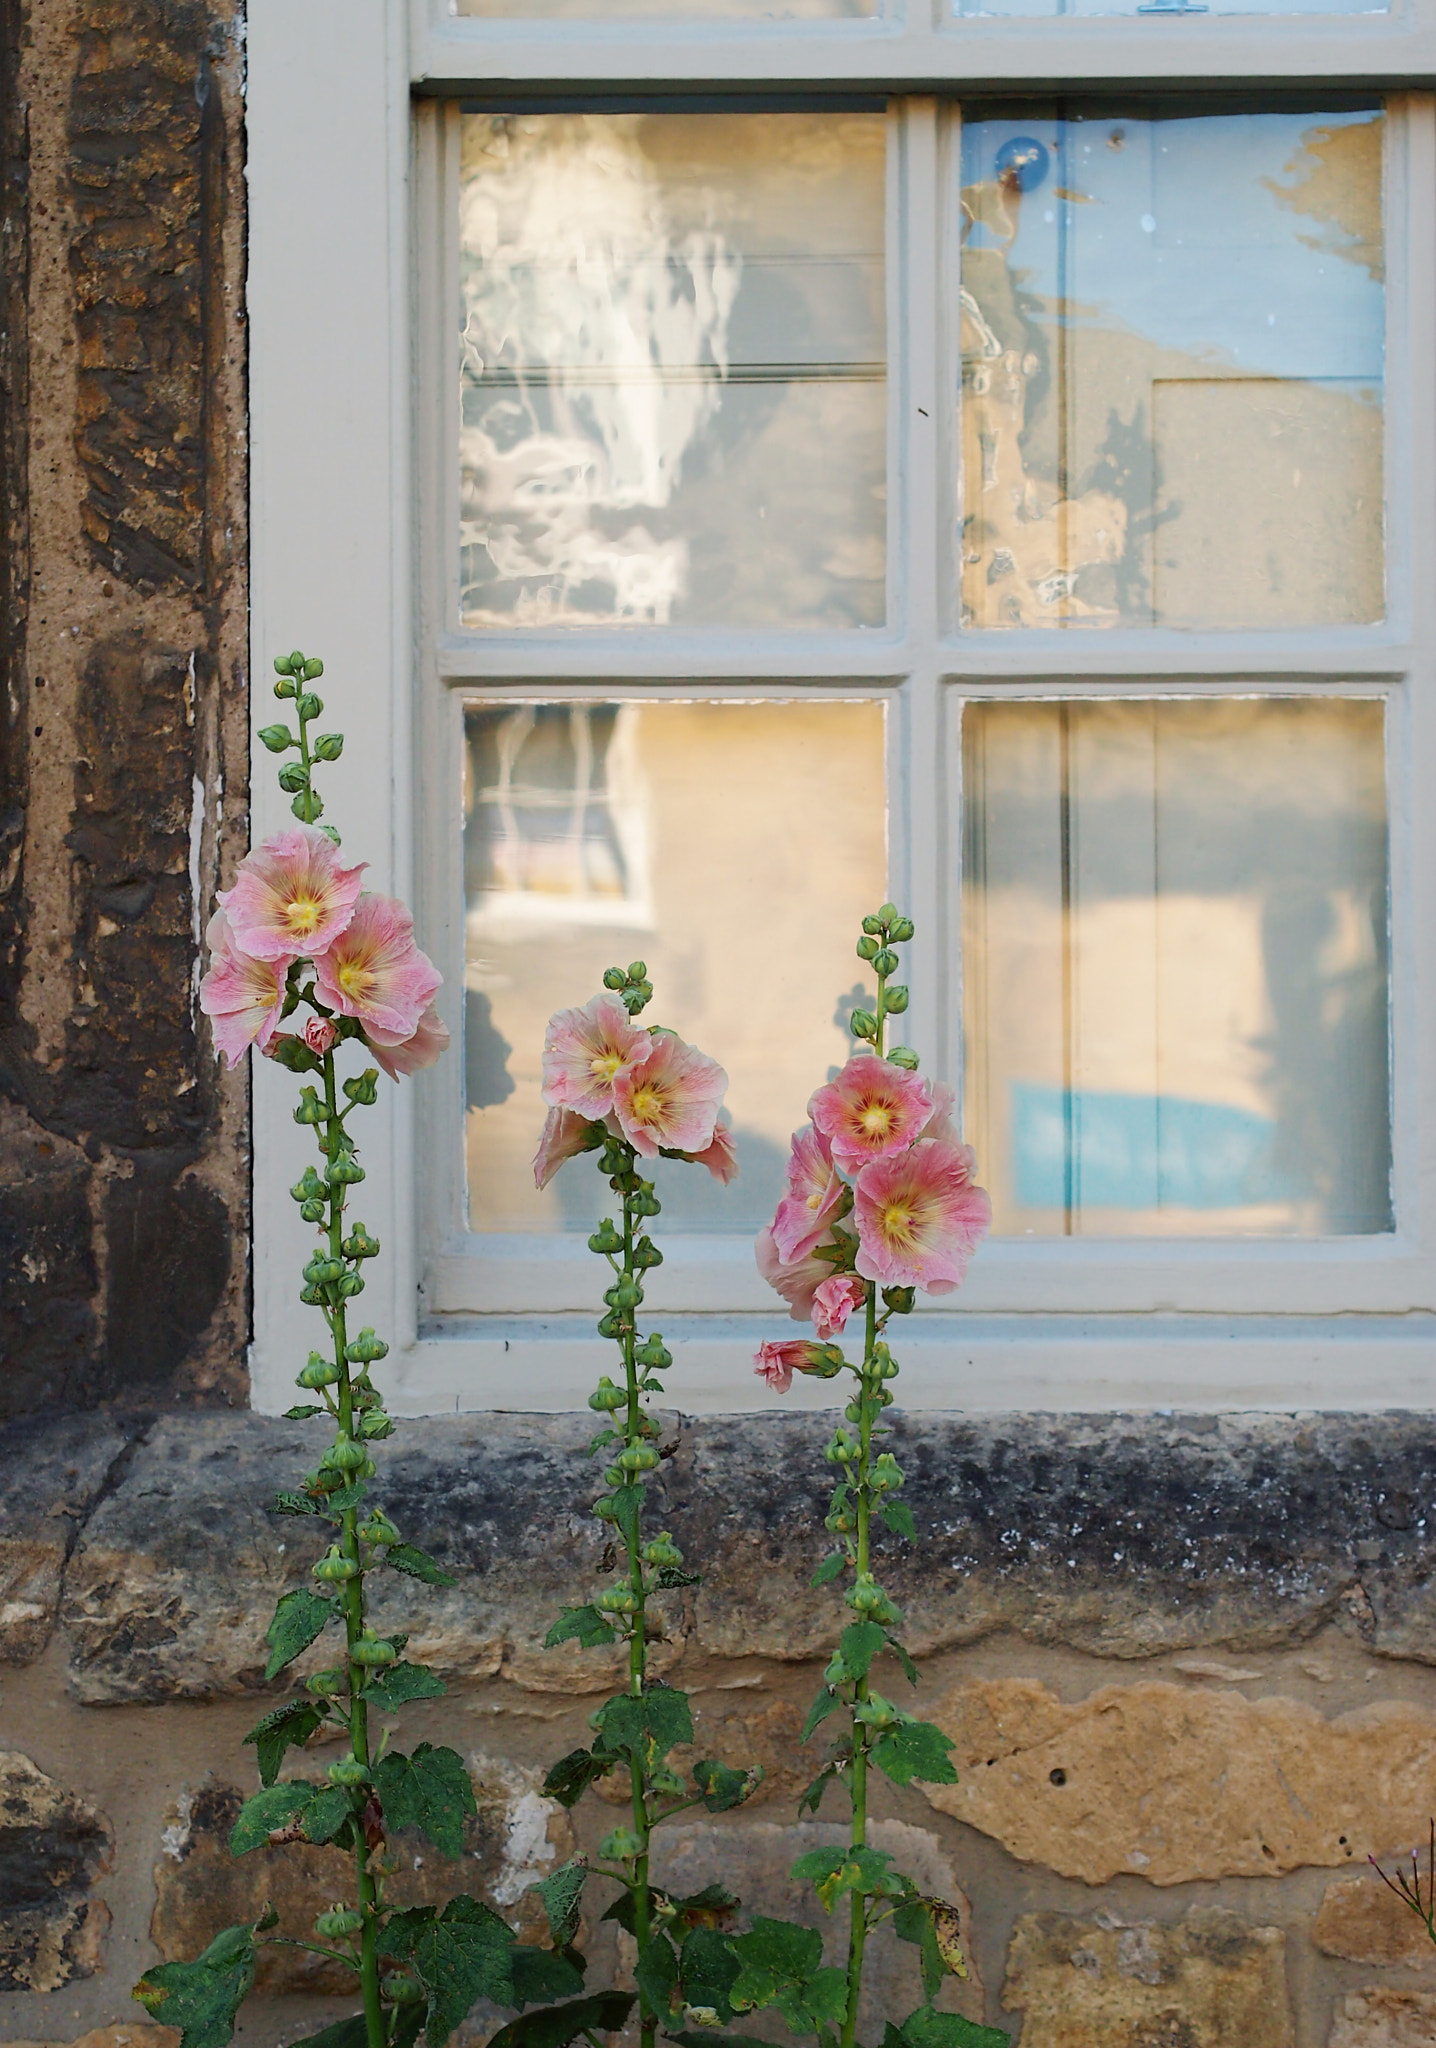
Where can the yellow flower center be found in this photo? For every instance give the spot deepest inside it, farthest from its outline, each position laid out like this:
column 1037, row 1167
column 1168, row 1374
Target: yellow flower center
column 355, row 979
column 647, row 1104
column 302, row 915
column 604, row 1065
column 897, row 1220
column 877, row 1119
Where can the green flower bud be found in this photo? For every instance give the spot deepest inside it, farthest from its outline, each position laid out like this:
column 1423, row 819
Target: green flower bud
column 360, row 1245
column 319, row 1372
column 636, row 999
column 646, row 1254
column 868, row 1599
column 307, row 1188
column 347, row 1770
column 885, row 962
column 624, row 1293
column 903, row 1056
column 402, row 1991
column 313, row 669
column 327, row 1685
column 293, row 776
column 900, row 1299
column 873, row 927
column 345, row 1171
column 620, row 1846
column 662, row 1550
column 902, row 929
column 614, row 978
column 343, row 1920
column 295, row 663
column 366, row 1348
column 842, row 1450
column 375, row 1427
column 286, row 688
column 867, row 948
column 876, row 1712
column 344, row 1455
column 863, row 1024
column 313, row 1212
column 377, row 1528
column 606, row 1398
column 606, row 1238
column 364, row 1397
column 308, row 705
column 349, row 1285
column 334, row 1568
column 895, row 1000
column 364, row 1088
column 887, row 1365
column 308, row 807
column 617, row 1600
column 645, row 1202
column 312, row 1297
column 653, row 1354
column 277, row 738
column 310, row 1109
column 604, row 1509
column 886, row 1472
column 328, row 746
column 637, row 970
column 887, row 912
column 372, row 1650
column 638, row 1457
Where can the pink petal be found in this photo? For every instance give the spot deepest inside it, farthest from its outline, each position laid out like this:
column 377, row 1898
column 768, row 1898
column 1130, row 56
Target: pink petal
column 565, row 1136
column 871, row 1110
column 429, row 1038
column 670, row 1100
column 241, row 996
column 585, row 1050
column 815, row 1193
column 721, row 1157
column 291, row 897
column 375, row 972
column 920, row 1217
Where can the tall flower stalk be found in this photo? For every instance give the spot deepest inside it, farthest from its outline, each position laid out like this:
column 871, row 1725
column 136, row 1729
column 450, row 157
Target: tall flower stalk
column 631, row 1094
column 880, row 1203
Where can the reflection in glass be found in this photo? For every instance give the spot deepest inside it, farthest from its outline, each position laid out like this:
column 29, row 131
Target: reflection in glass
column 669, row 10
column 672, row 380
column 1176, row 966
column 1172, row 362
column 725, row 845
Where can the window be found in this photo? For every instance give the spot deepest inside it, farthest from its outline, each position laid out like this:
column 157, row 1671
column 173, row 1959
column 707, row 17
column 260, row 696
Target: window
column 863, row 477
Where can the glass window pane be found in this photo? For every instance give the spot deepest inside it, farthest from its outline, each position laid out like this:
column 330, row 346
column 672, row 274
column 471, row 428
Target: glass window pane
column 1176, row 966
column 1172, row 362
column 673, row 382
column 730, row 846
column 669, row 10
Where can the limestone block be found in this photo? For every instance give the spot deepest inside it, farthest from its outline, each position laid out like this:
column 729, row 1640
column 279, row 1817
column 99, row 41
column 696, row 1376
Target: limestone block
column 1385, row 2019
column 517, row 1838
column 1211, row 1980
column 139, row 2035
column 52, row 1928
column 1177, row 1783
column 753, row 1860
column 1362, row 1921
column 53, row 1471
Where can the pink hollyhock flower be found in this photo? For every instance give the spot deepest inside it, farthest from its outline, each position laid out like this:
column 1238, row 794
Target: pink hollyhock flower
column 721, row 1157
column 797, row 1281
column 939, row 1124
column 776, row 1363
column 584, row 1051
column 815, row 1193
column 319, row 1035
column 835, row 1301
column 399, row 1056
column 671, row 1099
column 375, row 972
column 291, row 896
column 565, row 1135
column 241, row 996
column 872, row 1109
column 920, row 1217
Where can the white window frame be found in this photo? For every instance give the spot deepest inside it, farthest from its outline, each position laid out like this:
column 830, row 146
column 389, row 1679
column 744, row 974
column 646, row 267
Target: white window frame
column 351, row 167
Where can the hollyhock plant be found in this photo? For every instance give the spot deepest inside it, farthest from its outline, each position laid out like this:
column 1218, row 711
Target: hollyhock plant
column 880, row 1202
column 291, row 895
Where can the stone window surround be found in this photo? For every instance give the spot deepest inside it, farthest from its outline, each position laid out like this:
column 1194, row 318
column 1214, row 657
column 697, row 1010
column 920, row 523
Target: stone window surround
column 346, row 101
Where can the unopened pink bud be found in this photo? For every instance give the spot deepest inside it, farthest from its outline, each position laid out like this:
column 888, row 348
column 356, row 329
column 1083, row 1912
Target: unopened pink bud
column 319, row 1035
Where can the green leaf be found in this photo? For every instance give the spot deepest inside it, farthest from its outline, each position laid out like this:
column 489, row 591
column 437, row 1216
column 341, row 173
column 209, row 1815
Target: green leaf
column 645, row 1729
column 812, row 1799
column 298, row 1619
column 417, row 1564
column 604, row 2013
column 928, row 2029
column 202, row 1998
column 347, row 1496
column 704, row 2037
column 670, row 1578
column 301, row 1413
column 572, row 1775
column 394, row 1685
column 858, row 1644
column 656, row 1974
column 781, row 1964
column 627, row 1507
column 459, row 1956
column 583, row 1625
column 913, row 1922
column 286, row 1726
column 829, row 1568
column 914, row 1749
column 826, row 1703
column 708, row 1970
column 722, row 1787
column 909, row 1669
column 540, row 1974
column 834, row 1873
column 327, row 1815
column 562, row 1895
column 898, row 1516
column 350, row 2033
column 715, row 1900
column 294, row 1504
column 275, row 1807
column 428, row 1790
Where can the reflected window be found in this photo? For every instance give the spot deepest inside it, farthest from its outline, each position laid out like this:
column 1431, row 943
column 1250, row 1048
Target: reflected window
column 1172, row 336
column 722, row 843
column 1175, row 965
column 673, row 370
column 670, row 10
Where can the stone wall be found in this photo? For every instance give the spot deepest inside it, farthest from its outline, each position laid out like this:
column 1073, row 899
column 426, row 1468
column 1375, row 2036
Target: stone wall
column 1188, row 1665
column 123, row 715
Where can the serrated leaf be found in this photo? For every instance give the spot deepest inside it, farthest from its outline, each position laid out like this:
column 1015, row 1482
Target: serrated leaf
column 540, row 1974
column 656, row 1975
column 833, row 1873
column 812, row 1798
column 909, row 1669
column 722, row 1787
column 708, row 1970
column 829, row 1568
column 428, row 1790
column 670, row 1578
column 394, row 1685
column 350, row 2033
column 327, row 1814
column 928, row 2029
column 583, row 1625
column 347, row 1496
column 562, row 1895
column 298, row 1619
column 275, row 1807
column 898, row 1516
column 284, row 1727
column 913, row 1922
column 571, row 1776
column 627, row 1502
column 417, row 1564
column 294, row 1504
column 914, row 1749
column 301, row 1412
column 713, row 1903
column 826, row 1703
column 603, row 2013
column 202, row 1998
column 459, row 1956
column 781, row 1965
column 858, row 1644
column 704, row 2037
column 646, row 1728
column 947, row 1926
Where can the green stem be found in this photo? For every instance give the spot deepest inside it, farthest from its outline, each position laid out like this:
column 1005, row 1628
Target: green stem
column 638, row 1638
column 354, row 1609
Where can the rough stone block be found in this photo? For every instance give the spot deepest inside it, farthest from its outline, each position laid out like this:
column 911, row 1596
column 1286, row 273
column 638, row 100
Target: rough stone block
column 200, row 1888
column 1385, row 2019
column 139, row 2036
column 53, row 1472
column 1362, row 1921
column 1176, row 1783
column 52, row 1848
column 1211, row 1980
column 753, row 1860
